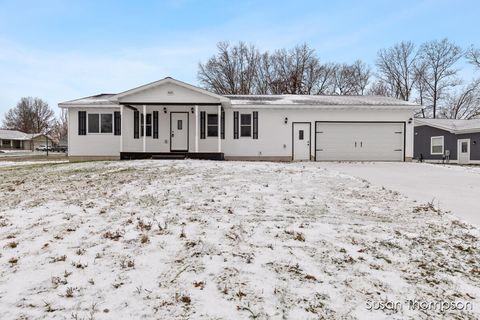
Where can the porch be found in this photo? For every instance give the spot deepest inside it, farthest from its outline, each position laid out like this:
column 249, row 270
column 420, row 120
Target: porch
column 171, row 155
column 171, row 130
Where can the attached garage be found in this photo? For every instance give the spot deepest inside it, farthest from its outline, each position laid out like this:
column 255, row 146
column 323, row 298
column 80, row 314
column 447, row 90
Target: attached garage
column 360, row 141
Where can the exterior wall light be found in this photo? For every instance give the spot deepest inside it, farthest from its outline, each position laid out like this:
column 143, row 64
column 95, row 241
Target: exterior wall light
column 410, row 120
column 164, row 109
column 192, row 110
column 286, row 120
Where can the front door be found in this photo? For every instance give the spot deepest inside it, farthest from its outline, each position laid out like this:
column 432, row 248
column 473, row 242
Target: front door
column 463, row 151
column 179, row 131
column 301, row 141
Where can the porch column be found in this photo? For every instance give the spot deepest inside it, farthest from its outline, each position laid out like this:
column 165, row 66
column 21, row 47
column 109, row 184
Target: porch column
column 196, row 128
column 219, row 129
column 121, row 127
column 144, row 128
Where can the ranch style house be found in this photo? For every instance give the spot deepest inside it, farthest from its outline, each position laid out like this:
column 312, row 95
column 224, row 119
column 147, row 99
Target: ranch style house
column 172, row 119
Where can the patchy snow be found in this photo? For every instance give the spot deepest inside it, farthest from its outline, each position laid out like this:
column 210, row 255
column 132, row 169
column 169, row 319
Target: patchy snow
column 317, row 100
column 450, row 187
column 4, row 164
column 223, row 240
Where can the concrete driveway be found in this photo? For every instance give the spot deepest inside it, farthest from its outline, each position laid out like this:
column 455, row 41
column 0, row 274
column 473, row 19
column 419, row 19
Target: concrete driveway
column 453, row 188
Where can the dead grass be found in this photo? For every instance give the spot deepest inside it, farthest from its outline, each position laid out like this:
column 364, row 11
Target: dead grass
column 12, row 244
column 113, row 235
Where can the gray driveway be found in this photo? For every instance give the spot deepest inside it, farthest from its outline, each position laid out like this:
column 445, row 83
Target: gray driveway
column 452, row 188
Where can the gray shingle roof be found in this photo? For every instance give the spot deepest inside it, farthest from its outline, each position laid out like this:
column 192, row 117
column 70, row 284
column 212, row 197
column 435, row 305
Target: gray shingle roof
column 452, row 125
column 276, row 100
column 14, row 135
column 99, row 99
column 317, row 100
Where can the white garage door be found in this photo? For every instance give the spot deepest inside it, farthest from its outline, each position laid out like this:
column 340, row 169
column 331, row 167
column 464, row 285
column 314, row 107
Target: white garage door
column 359, row 141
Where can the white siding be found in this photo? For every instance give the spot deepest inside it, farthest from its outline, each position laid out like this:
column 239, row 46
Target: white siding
column 274, row 136
column 97, row 144
column 168, row 93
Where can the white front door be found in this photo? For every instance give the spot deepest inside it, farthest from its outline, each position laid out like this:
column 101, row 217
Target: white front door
column 301, row 141
column 179, row 131
column 463, row 151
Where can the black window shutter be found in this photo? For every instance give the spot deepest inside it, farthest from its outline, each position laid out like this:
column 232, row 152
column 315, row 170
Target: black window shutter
column 222, row 123
column 235, row 125
column 255, row 124
column 136, row 117
column 117, row 123
column 82, row 123
column 155, row 124
column 202, row 124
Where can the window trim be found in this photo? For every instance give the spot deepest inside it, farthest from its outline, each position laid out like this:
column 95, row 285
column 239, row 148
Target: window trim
column 99, row 114
column 212, row 125
column 443, row 145
column 240, row 125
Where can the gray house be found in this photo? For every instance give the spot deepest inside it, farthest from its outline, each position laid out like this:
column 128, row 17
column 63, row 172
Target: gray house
column 449, row 140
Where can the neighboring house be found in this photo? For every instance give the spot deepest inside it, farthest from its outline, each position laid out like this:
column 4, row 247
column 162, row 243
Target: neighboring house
column 170, row 118
column 450, row 140
column 40, row 139
column 17, row 140
column 14, row 139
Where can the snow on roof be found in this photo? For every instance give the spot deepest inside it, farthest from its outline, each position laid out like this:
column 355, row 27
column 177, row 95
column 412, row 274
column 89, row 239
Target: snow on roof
column 13, row 135
column 99, row 99
column 280, row 100
column 317, row 100
column 452, row 125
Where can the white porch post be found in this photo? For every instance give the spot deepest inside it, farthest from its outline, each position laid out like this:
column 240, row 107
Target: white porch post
column 196, row 128
column 121, row 127
column 144, row 128
column 219, row 129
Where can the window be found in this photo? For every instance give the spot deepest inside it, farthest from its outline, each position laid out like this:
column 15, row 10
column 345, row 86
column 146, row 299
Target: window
column 93, row 123
column 300, row 134
column 100, row 123
column 107, row 123
column 148, row 123
column 464, row 147
column 6, row 142
column 436, row 145
column 246, row 125
column 179, row 125
column 212, row 125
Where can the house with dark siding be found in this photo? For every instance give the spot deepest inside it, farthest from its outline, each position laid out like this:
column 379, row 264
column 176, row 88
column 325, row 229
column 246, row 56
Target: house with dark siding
column 447, row 140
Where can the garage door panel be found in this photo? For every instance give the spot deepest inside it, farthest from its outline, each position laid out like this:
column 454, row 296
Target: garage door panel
column 359, row 141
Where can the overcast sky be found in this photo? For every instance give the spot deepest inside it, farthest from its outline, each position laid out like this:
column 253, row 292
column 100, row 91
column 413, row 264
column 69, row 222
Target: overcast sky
column 63, row 50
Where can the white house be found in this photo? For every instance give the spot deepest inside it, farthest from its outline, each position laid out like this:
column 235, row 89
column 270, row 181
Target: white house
column 170, row 118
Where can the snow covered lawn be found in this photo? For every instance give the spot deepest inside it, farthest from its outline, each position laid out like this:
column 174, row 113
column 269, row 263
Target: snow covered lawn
column 223, row 240
column 27, row 163
column 451, row 187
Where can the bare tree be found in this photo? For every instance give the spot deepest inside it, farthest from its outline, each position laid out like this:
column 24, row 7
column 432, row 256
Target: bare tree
column 438, row 59
column 325, row 83
column 232, row 71
column 294, row 71
column 31, row 115
column 59, row 130
column 361, row 74
column 465, row 104
column 396, row 66
column 382, row 88
column 351, row 79
column 473, row 56
column 242, row 69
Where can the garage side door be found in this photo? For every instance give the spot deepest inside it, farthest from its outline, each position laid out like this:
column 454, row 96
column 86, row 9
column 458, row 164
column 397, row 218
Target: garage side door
column 359, row 141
